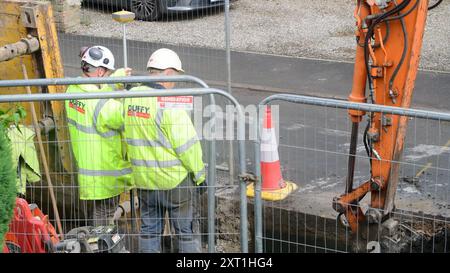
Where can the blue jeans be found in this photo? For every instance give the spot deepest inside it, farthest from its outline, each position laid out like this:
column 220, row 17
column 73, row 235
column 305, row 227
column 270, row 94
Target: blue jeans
column 178, row 202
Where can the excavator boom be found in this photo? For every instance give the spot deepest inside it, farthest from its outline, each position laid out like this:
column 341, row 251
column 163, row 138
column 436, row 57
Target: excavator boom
column 389, row 39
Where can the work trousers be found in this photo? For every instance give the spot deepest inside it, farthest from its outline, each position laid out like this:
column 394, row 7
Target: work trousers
column 178, row 203
column 102, row 211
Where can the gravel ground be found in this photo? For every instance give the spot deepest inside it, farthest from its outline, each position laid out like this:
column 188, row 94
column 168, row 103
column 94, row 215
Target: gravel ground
column 299, row 28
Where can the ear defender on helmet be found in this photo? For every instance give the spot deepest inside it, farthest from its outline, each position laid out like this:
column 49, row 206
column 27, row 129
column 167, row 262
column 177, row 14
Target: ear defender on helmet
column 98, row 56
column 95, row 53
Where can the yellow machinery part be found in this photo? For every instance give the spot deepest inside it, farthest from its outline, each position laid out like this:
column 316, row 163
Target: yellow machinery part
column 18, row 19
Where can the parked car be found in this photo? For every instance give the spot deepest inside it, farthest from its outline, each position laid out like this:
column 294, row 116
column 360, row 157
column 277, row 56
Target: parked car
column 151, row 10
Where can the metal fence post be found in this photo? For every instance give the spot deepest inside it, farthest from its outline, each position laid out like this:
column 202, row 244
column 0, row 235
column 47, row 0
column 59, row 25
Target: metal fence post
column 243, row 184
column 228, row 43
column 228, row 63
column 212, row 182
column 258, row 200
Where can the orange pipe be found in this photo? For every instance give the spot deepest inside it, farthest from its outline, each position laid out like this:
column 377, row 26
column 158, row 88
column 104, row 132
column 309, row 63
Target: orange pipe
column 385, row 64
column 358, row 93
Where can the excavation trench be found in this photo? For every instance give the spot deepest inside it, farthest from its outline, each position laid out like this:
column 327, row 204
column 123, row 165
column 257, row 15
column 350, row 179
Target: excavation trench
column 293, row 226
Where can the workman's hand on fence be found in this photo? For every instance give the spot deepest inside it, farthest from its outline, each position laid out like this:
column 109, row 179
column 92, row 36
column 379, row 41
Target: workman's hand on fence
column 128, row 71
column 125, row 207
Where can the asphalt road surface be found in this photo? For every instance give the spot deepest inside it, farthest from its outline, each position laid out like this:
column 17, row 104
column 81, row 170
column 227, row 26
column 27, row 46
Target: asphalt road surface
column 313, row 141
column 261, row 72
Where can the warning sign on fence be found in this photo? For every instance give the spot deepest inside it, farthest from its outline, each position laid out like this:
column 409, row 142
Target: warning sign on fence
column 180, row 102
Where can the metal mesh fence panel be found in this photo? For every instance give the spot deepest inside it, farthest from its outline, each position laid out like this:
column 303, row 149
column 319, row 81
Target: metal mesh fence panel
column 195, row 30
column 314, row 151
column 107, row 216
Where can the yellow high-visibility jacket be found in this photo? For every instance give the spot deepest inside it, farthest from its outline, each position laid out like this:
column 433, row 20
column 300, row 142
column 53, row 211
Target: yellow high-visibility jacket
column 25, row 159
column 162, row 144
column 95, row 131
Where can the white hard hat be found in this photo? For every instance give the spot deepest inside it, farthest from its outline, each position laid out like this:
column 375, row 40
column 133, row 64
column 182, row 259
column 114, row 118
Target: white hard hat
column 99, row 56
column 164, row 58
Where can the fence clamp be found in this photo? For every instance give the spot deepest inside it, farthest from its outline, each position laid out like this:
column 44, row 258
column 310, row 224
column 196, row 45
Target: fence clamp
column 248, row 177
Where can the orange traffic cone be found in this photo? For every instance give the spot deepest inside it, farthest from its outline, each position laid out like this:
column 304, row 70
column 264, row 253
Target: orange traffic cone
column 273, row 185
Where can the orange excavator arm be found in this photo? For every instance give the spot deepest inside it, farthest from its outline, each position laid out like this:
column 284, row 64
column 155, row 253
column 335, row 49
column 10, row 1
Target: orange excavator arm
column 389, row 38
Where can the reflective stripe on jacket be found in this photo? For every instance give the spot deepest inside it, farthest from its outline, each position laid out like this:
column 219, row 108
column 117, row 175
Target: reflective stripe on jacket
column 162, row 144
column 94, row 127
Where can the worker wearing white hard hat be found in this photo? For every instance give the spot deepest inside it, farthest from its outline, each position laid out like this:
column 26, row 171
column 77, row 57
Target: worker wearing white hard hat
column 103, row 173
column 164, row 62
column 95, row 57
column 163, row 59
column 166, row 158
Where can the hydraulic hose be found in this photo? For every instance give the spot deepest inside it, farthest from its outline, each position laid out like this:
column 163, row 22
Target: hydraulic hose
column 376, row 21
column 385, row 38
column 369, row 34
column 435, row 5
column 404, row 14
column 405, row 46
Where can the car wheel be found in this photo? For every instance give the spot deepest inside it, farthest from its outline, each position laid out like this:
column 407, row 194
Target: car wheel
column 146, row 9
